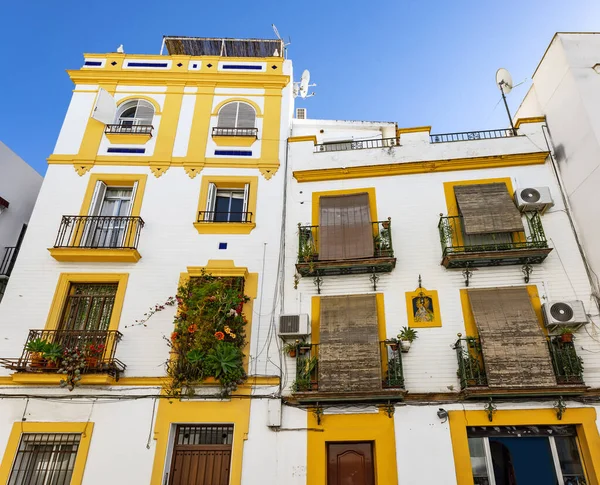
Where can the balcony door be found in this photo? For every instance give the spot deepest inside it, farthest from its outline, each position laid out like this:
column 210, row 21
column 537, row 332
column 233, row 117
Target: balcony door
column 345, row 228
column 350, row 463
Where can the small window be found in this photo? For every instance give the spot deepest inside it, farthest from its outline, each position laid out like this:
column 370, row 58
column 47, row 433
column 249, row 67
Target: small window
column 226, row 205
column 45, row 459
column 237, row 115
column 89, row 307
column 135, row 112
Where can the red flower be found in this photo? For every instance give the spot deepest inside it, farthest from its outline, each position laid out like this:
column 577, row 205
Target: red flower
column 219, row 335
column 192, row 328
column 174, row 336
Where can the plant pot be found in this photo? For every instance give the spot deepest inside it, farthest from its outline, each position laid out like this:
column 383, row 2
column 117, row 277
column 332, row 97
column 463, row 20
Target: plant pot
column 292, row 353
column 37, row 360
column 405, row 345
column 386, row 224
column 303, row 350
column 51, row 364
column 394, row 347
column 314, row 386
column 566, row 337
column 91, row 361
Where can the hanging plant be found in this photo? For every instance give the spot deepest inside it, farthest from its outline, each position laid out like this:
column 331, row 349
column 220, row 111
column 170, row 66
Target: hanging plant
column 209, row 335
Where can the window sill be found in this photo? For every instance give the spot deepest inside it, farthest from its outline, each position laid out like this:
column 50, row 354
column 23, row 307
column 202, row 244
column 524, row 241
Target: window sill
column 224, row 227
column 128, row 138
column 234, row 141
column 28, row 378
column 87, row 255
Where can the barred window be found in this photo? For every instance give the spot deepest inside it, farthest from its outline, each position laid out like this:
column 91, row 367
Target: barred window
column 205, row 435
column 45, row 459
column 89, row 307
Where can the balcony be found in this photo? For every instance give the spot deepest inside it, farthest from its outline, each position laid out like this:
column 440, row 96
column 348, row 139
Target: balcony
column 98, row 348
column 357, row 145
column 460, row 250
column 98, row 239
column 472, row 135
column 305, row 387
column 381, row 259
column 6, row 266
column 128, row 133
column 234, row 137
column 567, row 366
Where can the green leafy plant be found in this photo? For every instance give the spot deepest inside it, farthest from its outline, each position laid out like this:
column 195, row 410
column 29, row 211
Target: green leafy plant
column 408, row 334
column 195, row 356
column 304, row 371
column 566, row 331
column 71, row 366
column 53, row 352
column 394, row 375
column 37, row 345
column 291, row 349
column 306, row 248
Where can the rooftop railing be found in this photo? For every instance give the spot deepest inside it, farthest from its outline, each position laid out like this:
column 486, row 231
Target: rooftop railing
column 357, row 145
column 472, row 135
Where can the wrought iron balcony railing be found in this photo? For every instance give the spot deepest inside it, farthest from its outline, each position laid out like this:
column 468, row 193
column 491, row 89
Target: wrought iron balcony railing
column 357, row 145
column 8, row 260
column 307, row 367
column 472, row 135
column 97, row 347
column 380, row 260
column 129, row 129
column 567, row 365
column 460, row 250
column 99, row 232
column 220, row 131
column 219, row 216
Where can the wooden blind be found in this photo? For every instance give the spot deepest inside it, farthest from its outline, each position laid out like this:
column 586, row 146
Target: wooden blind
column 487, row 209
column 515, row 351
column 349, row 358
column 345, row 230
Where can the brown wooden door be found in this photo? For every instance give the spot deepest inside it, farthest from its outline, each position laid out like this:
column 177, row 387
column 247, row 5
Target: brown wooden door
column 350, row 464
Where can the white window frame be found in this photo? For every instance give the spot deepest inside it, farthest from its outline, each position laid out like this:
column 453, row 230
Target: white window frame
column 237, row 115
column 136, row 120
column 211, row 200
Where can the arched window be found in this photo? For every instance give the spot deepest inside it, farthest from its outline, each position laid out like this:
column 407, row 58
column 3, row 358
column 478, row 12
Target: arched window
column 237, row 115
column 135, row 112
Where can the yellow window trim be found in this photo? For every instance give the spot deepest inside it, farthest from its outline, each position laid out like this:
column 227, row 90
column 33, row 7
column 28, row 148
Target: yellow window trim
column 451, row 203
column 584, row 420
column 469, row 319
column 298, row 139
column 226, row 182
column 234, row 141
column 62, row 292
column 257, row 110
column 32, row 427
column 437, row 316
column 100, row 255
column 115, row 180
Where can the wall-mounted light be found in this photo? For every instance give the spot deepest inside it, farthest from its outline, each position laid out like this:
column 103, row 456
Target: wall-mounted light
column 442, row 414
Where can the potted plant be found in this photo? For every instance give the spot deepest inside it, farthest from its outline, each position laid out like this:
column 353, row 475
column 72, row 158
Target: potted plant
column 566, row 334
column 392, row 343
column 36, row 348
column 291, row 349
column 93, row 352
column 53, row 354
column 406, row 337
column 304, row 348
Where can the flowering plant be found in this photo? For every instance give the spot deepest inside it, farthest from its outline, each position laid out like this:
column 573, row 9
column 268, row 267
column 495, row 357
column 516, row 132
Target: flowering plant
column 94, row 350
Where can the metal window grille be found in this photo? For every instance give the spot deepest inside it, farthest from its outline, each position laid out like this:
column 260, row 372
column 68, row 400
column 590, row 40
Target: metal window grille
column 89, row 307
column 205, row 435
column 45, row 459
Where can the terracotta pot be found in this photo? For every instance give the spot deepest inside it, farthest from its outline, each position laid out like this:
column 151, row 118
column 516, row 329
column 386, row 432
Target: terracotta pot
column 394, row 347
column 566, row 337
column 292, row 353
column 37, row 360
column 51, row 364
column 91, row 361
column 386, row 225
column 314, row 386
column 304, row 350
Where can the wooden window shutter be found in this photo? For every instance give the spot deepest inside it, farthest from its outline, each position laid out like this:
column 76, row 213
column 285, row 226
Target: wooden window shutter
column 515, row 351
column 349, row 358
column 345, row 230
column 228, row 116
column 487, row 209
column 246, row 116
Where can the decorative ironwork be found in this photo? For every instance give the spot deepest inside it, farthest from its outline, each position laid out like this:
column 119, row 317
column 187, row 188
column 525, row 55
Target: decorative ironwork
column 527, row 269
column 219, row 131
column 471, row 135
column 567, row 365
column 8, row 260
column 382, row 260
column 374, row 278
column 318, row 413
column 104, row 343
column 318, row 281
column 560, row 407
column 490, row 408
column 471, row 370
column 357, row 145
column 224, row 216
column 296, row 280
column 389, row 409
column 99, row 232
column 130, row 129
column 460, row 250
column 467, row 273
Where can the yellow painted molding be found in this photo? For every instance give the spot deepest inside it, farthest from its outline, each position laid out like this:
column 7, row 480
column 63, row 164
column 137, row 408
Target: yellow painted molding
column 435, row 302
column 532, row 119
column 298, row 139
column 410, row 168
column 584, row 420
column 83, row 168
column 159, row 169
column 224, row 227
column 128, row 138
column 88, row 255
column 53, row 379
column 64, row 285
column 257, row 110
column 85, row 429
column 267, row 170
column 192, row 169
column 416, row 129
column 234, row 141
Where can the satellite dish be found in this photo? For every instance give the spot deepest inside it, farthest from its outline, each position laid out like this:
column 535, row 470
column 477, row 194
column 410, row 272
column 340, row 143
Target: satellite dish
column 304, row 80
column 504, row 80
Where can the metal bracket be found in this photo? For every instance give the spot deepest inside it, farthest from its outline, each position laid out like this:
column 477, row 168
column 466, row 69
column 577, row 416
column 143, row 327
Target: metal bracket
column 467, row 274
column 374, row 279
column 318, row 413
column 560, row 407
column 527, row 269
column 318, row 281
column 296, row 280
column 490, row 409
column 389, row 409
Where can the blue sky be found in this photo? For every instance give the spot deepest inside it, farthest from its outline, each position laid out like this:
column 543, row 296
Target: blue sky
column 414, row 62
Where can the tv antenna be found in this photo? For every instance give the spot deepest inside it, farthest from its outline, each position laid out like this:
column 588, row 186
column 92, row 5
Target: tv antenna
column 505, row 84
column 279, row 37
column 301, row 87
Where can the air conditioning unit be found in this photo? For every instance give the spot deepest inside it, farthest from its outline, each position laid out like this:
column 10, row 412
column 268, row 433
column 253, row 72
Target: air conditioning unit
column 294, row 325
column 301, row 113
column 564, row 314
column 533, row 199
